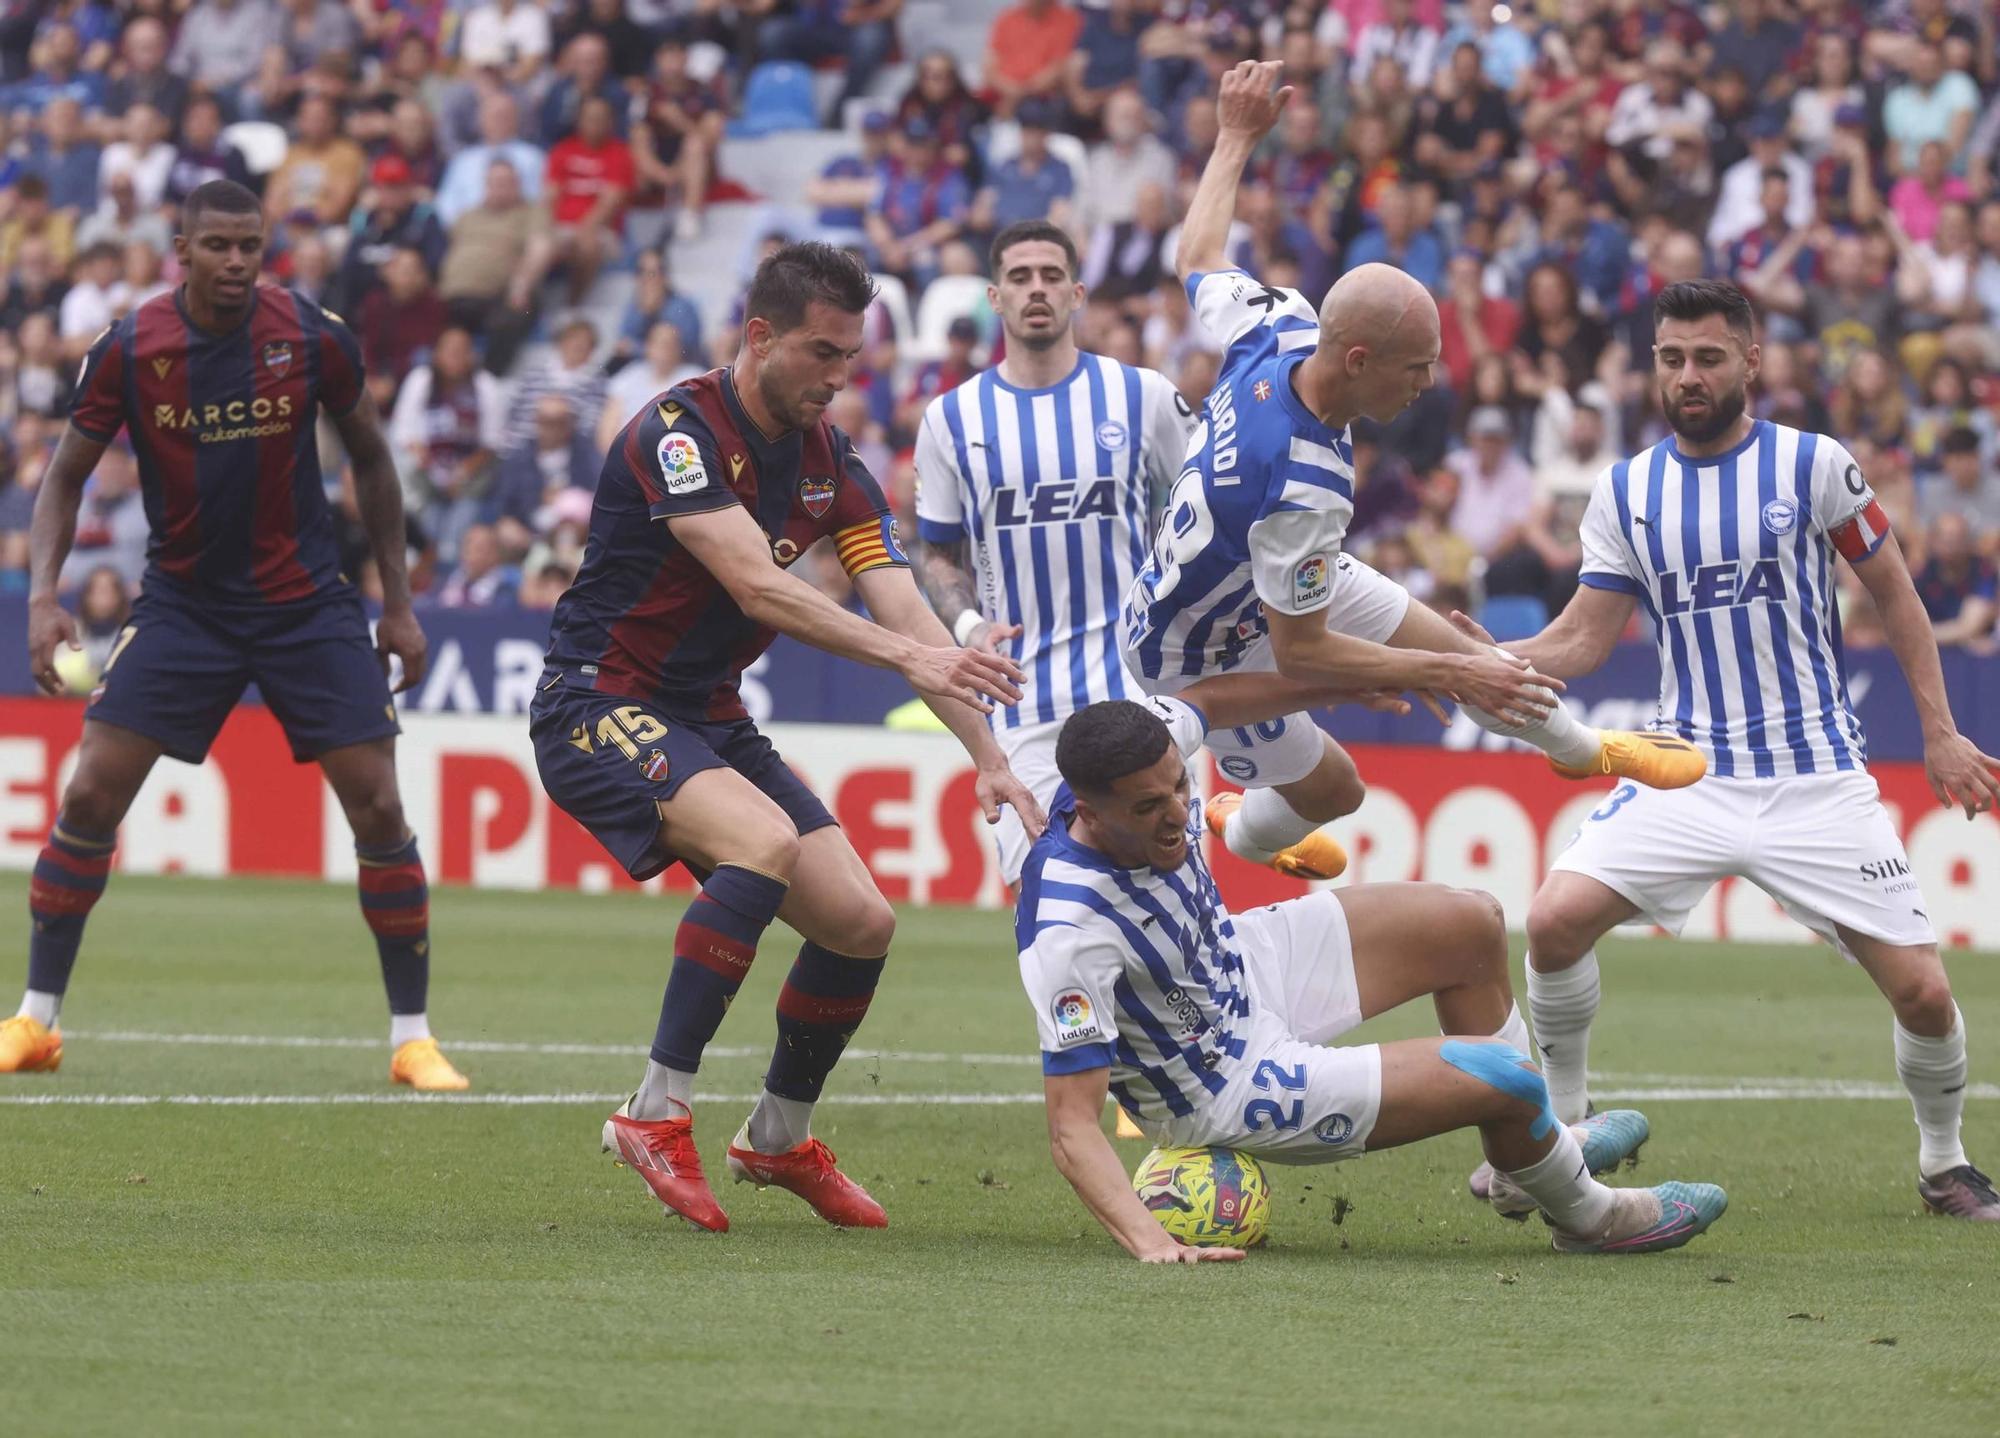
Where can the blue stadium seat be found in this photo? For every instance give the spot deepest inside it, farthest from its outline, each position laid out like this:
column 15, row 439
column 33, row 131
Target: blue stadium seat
column 1514, row 616
column 778, row 97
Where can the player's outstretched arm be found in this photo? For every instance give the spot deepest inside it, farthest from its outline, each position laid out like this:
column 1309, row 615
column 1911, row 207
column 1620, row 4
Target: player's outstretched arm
column 379, row 496
column 1579, row 639
column 1958, row 772
column 50, row 534
column 1085, row 1157
column 1246, row 109
column 944, row 573
column 893, row 598
column 1309, row 652
column 729, row 545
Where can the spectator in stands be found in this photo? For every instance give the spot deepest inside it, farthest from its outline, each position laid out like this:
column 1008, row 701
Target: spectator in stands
column 1931, row 103
column 1739, row 203
column 87, row 309
column 543, row 585
column 1650, row 115
column 850, row 183
column 1496, row 489
column 1832, row 88
column 58, row 74
column 662, row 365
column 569, row 373
column 1028, row 51
column 482, row 580
column 1763, row 44
column 655, row 300
column 583, row 72
column 1917, row 198
column 1126, row 259
column 938, row 376
column 465, row 184
column 34, row 281
column 629, row 41
column 1445, row 554
column 1559, row 343
column 1397, row 240
column 508, row 36
column 678, row 133
column 398, row 321
column 1947, row 404
column 1398, row 36
column 1129, row 156
column 1595, row 253
column 924, row 203
column 1466, row 123
column 322, row 170
column 555, row 455
column 1035, row 184
column 310, row 31
column 940, row 96
column 64, row 158
column 103, row 606
column 1299, row 159
column 447, row 427
column 590, row 182
column 1958, row 586
column 395, row 220
column 221, row 43
column 1869, row 403
column 141, row 278
column 412, row 138
column 111, row 526
column 18, row 435
column 143, row 153
column 1106, row 57
column 120, row 220
column 143, row 77
column 38, row 378
column 1472, row 323
column 1965, row 486
column 498, row 255
column 861, row 32
column 203, row 154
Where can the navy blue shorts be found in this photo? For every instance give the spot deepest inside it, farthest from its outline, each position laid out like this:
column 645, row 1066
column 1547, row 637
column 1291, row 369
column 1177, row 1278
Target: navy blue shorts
column 610, row 761
column 180, row 666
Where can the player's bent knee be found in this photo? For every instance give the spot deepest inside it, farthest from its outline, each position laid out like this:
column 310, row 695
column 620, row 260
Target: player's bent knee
column 1481, row 924
column 1557, row 937
column 1922, row 1000
column 1507, row 1071
column 772, row 847
column 92, row 805
column 872, row 928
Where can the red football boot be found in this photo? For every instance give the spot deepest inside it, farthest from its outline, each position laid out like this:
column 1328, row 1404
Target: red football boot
column 662, row 1152
column 808, row 1171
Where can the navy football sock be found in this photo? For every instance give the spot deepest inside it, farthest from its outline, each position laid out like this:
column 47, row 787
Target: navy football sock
column 69, row 878
column 713, row 947
column 396, row 902
column 824, row 999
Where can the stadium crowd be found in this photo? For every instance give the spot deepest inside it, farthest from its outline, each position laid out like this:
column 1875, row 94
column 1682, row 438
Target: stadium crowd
column 460, row 180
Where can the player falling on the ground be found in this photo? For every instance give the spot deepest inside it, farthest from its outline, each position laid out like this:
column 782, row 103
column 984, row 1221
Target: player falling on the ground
column 1727, row 531
column 1212, row 1028
column 708, row 496
column 1248, row 573
column 1038, row 483
column 219, row 384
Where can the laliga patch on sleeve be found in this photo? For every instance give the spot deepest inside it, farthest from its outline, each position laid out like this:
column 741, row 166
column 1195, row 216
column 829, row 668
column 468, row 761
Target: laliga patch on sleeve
column 1312, row 582
column 680, row 465
column 1075, row 1020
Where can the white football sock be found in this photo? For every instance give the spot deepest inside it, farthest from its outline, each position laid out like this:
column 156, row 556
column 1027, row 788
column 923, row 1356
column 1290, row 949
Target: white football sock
column 1561, row 1185
column 1264, row 825
column 664, row 1093
column 404, row 1027
column 1933, row 1070
column 1514, row 1033
column 778, row 1125
column 1563, row 1004
column 1562, row 736
column 42, row 1008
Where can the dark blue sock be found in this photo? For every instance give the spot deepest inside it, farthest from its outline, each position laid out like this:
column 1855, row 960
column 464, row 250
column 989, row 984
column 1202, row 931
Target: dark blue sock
column 69, row 878
column 824, row 999
column 396, row 902
column 713, row 947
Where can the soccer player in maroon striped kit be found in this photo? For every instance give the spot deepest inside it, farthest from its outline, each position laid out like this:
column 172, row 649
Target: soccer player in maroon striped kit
column 219, row 385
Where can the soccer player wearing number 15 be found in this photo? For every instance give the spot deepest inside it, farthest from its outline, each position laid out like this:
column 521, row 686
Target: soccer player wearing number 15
column 707, row 498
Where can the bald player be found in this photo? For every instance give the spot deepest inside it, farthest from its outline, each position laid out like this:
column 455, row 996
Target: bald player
column 1248, row 574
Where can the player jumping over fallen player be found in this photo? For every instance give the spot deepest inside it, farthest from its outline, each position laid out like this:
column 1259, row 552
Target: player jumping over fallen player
column 707, row 498
column 219, row 385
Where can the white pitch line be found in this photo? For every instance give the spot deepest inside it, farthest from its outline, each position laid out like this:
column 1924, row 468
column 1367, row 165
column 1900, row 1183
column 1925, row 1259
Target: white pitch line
column 497, row 1046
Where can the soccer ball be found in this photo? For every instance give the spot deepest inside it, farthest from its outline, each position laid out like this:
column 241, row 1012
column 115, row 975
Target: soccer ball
column 1206, row 1197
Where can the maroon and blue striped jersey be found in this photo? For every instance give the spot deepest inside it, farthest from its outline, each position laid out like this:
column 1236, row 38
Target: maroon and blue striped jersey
column 645, row 619
column 223, row 428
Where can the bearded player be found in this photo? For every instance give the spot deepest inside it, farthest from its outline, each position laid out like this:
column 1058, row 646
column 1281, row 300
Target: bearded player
column 707, row 498
column 1726, row 532
column 219, row 385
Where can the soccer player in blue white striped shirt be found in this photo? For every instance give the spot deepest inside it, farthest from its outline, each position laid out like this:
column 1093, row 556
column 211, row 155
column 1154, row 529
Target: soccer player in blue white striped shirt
column 1037, row 486
column 1248, row 574
column 1726, row 532
column 1216, row 1029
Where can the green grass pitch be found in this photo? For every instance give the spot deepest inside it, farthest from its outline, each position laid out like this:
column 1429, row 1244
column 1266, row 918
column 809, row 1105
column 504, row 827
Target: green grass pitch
column 445, row 1267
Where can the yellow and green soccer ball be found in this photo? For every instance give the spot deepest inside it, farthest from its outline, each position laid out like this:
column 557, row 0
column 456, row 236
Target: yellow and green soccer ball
column 1206, row 1197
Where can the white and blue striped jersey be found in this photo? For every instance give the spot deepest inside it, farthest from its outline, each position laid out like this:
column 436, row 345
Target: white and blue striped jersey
column 1134, row 970
column 1257, row 516
column 1732, row 554
column 1056, row 489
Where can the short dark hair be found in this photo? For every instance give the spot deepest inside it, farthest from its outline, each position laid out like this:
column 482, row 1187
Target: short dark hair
column 1698, row 299
column 799, row 274
column 216, row 197
column 1020, row 233
column 1961, row 440
column 1101, row 744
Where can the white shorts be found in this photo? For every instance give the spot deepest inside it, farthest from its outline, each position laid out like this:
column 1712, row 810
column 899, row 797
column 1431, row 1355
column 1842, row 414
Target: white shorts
column 1031, row 754
column 1366, row 605
column 1290, row 1098
column 1820, row 844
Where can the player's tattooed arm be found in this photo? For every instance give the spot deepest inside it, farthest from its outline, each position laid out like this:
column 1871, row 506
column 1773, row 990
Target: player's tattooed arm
column 50, row 534
column 1958, row 772
column 1246, row 109
column 379, row 496
column 944, row 573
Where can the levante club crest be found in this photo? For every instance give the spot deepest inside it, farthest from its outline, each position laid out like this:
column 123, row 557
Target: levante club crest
column 816, row 495
column 278, row 357
column 655, row 767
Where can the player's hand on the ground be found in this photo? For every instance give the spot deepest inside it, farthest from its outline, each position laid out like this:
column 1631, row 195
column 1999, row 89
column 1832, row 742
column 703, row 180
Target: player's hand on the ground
column 971, row 676
column 1247, row 104
column 1960, row 774
column 49, row 628
column 999, row 785
column 1182, row 1253
column 1504, row 686
column 1471, row 628
column 400, row 634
